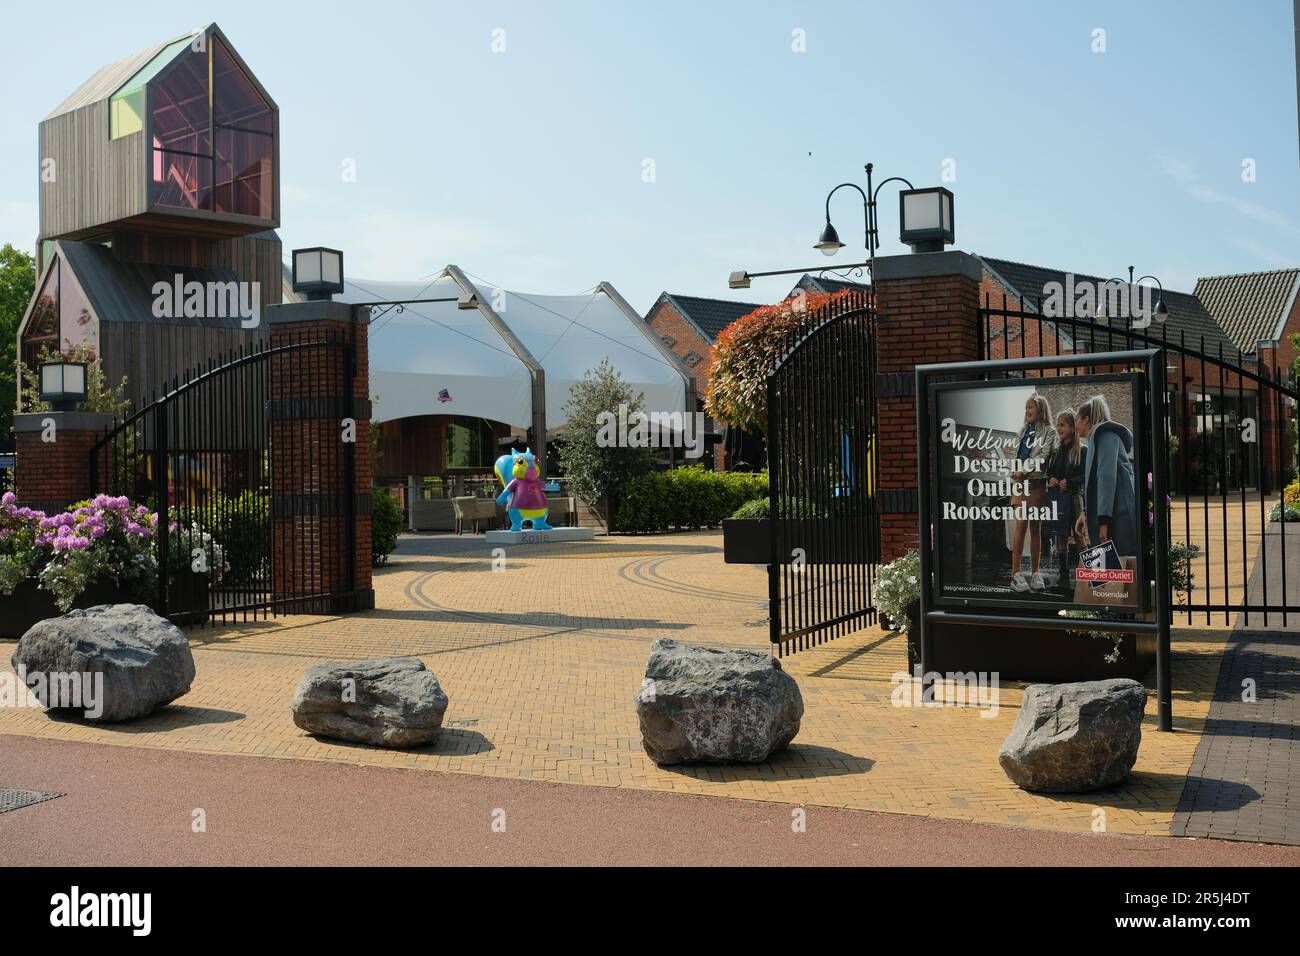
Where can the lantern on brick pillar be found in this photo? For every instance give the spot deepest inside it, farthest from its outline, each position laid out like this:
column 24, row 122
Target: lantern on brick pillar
column 925, row 218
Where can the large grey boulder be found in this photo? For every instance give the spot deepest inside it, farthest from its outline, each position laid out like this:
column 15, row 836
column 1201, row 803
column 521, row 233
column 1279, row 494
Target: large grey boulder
column 126, row 655
column 385, row 701
column 1071, row 738
column 715, row 705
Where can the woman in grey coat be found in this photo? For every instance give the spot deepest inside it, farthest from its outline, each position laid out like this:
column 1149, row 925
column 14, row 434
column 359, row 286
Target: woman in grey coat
column 1110, row 493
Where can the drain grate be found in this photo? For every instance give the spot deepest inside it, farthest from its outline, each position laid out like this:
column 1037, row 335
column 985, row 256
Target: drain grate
column 15, row 799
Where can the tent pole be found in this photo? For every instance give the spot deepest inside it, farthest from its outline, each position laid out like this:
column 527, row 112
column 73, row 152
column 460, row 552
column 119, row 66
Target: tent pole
column 539, row 419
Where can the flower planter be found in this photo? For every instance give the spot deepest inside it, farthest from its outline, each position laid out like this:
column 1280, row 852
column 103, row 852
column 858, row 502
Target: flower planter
column 746, row 540
column 30, row 604
column 1042, row 656
column 188, row 598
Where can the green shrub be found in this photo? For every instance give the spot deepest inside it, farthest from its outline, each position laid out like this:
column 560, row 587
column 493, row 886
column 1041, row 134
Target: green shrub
column 1291, row 495
column 687, row 498
column 1284, row 512
column 243, row 526
column 385, row 525
column 757, row 509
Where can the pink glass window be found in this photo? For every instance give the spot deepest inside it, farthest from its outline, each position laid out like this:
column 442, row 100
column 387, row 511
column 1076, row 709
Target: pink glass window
column 216, row 151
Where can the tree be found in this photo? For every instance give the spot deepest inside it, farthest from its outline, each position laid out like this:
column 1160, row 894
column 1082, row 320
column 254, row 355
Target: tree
column 17, row 283
column 749, row 348
column 597, row 468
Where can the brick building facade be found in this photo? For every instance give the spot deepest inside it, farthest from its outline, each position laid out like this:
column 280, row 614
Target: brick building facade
column 689, row 325
column 1209, row 401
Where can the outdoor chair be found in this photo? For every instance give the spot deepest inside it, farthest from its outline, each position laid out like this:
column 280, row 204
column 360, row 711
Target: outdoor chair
column 463, row 509
column 561, row 513
column 485, row 510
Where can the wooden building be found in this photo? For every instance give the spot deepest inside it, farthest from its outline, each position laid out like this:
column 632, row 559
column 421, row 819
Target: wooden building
column 161, row 172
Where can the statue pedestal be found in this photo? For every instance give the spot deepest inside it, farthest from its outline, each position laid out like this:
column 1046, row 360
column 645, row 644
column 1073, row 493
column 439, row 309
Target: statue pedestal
column 554, row 536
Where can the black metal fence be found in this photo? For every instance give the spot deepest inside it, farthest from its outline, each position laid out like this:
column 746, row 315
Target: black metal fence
column 200, row 455
column 821, row 403
column 1230, row 433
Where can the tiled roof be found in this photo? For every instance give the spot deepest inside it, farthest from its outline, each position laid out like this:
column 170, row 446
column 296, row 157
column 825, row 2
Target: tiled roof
column 1251, row 306
column 812, row 283
column 710, row 316
column 1188, row 322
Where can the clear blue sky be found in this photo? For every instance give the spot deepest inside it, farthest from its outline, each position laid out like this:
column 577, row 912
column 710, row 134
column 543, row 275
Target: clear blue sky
column 526, row 166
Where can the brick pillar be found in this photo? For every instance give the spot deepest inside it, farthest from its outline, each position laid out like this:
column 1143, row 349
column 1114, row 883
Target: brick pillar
column 313, row 392
column 53, row 457
column 926, row 308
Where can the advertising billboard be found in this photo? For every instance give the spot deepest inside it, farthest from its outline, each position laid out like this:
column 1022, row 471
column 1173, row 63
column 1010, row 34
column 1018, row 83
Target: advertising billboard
column 1038, row 499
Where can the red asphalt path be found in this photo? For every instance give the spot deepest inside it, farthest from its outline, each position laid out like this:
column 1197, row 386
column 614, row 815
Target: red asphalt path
column 128, row 806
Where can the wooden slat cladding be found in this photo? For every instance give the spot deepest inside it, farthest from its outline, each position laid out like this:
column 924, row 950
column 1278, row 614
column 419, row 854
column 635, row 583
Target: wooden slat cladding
column 95, row 180
column 250, row 258
column 152, row 355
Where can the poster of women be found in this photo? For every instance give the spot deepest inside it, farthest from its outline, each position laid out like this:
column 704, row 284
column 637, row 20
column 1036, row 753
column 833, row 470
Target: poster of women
column 1035, row 499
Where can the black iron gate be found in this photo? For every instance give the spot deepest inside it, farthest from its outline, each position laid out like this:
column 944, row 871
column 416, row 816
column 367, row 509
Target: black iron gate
column 200, row 456
column 821, row 403
column 1230, row 430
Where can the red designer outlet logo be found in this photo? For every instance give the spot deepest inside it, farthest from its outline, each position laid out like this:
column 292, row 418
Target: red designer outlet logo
column 1123, row 575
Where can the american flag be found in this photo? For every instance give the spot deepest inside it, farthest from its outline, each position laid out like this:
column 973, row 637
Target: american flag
column 444, row 395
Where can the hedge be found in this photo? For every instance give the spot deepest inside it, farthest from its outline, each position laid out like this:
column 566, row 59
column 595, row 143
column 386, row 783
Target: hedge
column 686, row 498
column 386, row 522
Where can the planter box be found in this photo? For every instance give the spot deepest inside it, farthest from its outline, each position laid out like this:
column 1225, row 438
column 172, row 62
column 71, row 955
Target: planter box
column 1040, row 656
column 746, row 540
column 188, row 598
column 29, row 604
column 826, row 540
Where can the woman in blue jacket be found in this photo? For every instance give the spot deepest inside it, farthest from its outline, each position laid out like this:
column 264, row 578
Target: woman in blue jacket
column 1110, row 492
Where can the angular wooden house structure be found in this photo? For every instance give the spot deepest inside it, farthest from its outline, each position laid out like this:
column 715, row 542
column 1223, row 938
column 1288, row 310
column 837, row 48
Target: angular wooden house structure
column 161, row 168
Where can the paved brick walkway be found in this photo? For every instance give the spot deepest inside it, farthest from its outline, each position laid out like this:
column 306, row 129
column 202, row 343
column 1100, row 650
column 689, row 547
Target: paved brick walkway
column 541, row 661
column 1244, row 782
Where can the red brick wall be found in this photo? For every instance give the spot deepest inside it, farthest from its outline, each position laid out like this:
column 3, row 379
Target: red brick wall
column 56, row 472
column 1010, row 337
column 920, row 321
column 1286, row 352
column 695, row 351
column 684, row 340
column 311, row 460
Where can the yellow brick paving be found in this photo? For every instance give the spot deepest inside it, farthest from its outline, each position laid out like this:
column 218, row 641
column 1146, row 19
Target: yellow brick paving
column 541, row 661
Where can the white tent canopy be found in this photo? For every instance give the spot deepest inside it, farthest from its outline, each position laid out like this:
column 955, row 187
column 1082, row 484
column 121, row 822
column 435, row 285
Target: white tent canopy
column 434, row 358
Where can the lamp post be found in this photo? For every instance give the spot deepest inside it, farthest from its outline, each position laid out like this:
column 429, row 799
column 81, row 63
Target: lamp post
column 1160, row 311
column 925, row 218
column 829, row 241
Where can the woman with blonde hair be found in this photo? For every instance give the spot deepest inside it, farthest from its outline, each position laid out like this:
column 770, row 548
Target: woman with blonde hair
column 1109, row 489
column 1035, row 443
column 1065, row 490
